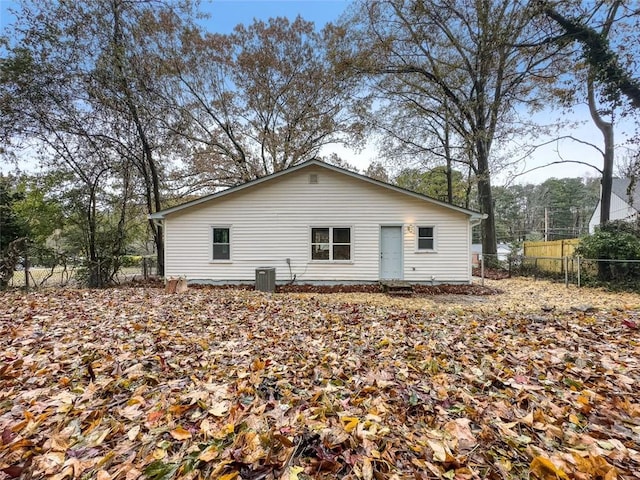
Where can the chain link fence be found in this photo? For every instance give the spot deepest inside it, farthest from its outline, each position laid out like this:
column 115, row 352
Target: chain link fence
column 572, row 270
column 37, row 271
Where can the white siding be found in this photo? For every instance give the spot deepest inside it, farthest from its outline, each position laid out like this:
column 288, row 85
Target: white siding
column 620, row 210
column 271, row 222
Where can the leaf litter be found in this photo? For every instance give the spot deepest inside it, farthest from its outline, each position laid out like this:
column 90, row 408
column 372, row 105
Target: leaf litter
column 539, row 381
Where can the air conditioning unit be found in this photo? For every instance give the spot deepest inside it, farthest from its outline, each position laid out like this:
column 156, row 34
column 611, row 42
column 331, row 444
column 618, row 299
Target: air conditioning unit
column 266, row 279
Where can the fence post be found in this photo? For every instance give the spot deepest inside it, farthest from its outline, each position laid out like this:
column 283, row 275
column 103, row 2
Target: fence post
column 565, row 261
column 482, row 270
column 26, row 268
column 578, row 271
column 145, row 273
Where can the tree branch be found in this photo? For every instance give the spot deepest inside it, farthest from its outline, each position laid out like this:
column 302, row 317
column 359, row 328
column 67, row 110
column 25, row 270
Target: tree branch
column 556, row 163
column 599, row 55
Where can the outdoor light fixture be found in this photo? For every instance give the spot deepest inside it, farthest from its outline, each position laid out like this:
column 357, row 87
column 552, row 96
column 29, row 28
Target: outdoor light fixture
column 411, row 228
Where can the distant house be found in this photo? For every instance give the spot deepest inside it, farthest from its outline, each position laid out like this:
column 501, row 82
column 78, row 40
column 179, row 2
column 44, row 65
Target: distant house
column 503, row 251
column 317, row 223
column 623, row 205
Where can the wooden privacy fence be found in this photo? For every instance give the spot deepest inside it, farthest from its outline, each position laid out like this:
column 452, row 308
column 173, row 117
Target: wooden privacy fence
column 548, row 254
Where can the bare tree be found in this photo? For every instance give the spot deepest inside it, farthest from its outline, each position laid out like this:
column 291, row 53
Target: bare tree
column 89, row 71
column 256, row 101
column 605, row 64
column 458, row 54
column 601, row 69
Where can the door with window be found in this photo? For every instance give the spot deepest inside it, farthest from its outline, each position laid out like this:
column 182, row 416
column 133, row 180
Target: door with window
column 391, row 253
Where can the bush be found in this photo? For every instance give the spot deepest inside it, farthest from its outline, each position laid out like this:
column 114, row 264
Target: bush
column 618, row 241
column 127, row 261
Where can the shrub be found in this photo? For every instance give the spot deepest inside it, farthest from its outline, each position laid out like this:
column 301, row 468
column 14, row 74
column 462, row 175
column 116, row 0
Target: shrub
column 616, row 240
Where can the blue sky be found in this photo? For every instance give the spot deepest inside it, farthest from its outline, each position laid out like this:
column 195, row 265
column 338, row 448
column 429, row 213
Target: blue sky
column 226, row 14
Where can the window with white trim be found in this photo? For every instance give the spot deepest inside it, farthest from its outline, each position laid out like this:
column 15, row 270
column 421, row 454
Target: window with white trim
column 331, row 243
column 426, row 238
column 221, row 243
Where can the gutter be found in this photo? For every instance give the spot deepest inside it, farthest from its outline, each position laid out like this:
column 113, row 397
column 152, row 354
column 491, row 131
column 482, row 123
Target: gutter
column 156, row 219
column 477, row 220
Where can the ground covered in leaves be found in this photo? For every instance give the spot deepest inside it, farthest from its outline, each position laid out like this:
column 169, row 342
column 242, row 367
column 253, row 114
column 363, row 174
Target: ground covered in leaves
column 539, row 381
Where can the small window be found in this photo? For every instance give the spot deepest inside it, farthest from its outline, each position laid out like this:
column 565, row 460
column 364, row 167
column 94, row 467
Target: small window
column 320, row 244
column 221, row 243
column 331, row 243
column 426, row 238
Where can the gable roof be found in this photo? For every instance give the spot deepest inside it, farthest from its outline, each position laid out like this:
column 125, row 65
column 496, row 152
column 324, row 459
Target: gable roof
column 620, row 187
column 207, row 198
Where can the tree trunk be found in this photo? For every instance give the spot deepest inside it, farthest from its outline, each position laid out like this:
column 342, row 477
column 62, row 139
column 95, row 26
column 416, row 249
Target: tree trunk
column 152, row 178
column 608, row 158
column 447, row 154
column 9, row 260
column 485, row 199
column 93, row 260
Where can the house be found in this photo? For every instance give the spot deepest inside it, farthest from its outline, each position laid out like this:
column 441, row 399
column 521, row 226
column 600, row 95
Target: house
column 625, row 204
column 503, row 252
column 318, row 223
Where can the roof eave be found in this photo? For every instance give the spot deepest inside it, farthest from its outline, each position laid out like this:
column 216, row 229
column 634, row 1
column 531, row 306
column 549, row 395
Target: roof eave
column 161, row 215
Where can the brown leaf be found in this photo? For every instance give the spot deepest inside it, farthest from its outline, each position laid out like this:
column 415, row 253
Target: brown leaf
column 544, row 469
column 180, row 434
column 13, row 471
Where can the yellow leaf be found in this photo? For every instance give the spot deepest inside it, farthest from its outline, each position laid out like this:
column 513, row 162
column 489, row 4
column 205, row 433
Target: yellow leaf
column 159, row 453
column 294, row 472
column 228, row 429
column 180, row 434
column 544, row 469
column 66, row 473
column 218, row 409
column 133, row 433
column 527, row 420
column 367, row 469
column 209, row 453
column 103, row 475
column 583, row 399
column 229, row 476
column 350, row 423
column 439, row 451
column 257, row 364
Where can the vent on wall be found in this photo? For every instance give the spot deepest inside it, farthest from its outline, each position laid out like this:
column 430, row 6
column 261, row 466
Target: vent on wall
column 313, row 178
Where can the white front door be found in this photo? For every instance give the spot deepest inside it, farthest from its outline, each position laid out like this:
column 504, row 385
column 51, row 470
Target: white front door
column 391, row 253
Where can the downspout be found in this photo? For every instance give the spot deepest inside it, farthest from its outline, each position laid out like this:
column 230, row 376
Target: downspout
column 159, row 222
column 474, row 221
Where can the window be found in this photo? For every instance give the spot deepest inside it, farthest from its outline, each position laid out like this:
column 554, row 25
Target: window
column 331, row 243
column 221, row 243
column 426, row 238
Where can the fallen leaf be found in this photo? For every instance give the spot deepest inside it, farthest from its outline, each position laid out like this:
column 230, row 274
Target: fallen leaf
column 209, row 453
column 544, row 469
column 294, row 472
column 180, row 434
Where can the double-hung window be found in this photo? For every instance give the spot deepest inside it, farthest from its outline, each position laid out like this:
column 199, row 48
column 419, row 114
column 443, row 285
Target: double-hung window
column 221, row 243
column 331, row 243
column 426, row 238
